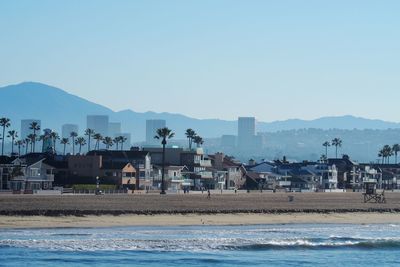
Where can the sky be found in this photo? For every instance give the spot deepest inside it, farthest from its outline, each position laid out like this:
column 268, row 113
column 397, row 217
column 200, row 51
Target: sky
column 274, row 60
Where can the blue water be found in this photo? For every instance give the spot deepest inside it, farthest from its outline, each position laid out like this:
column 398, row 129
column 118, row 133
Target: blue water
column 262, row 245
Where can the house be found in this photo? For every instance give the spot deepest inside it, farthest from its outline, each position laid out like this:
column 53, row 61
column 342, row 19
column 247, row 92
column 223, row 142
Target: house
column 228, row 172
column 34, row 174
column 140, row 160
column 175, row 178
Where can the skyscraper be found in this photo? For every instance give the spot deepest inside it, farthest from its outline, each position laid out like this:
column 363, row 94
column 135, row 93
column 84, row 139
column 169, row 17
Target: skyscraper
column 99, row 123
column 67, row 129
column 246, row 132
column 114, row 129
column 25, row 127
column 151, row 128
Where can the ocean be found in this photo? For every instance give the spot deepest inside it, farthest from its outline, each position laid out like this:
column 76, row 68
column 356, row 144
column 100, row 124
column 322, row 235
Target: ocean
column 260, row 245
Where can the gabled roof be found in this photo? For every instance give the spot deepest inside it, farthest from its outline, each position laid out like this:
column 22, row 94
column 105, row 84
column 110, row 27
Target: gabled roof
column 114, row 165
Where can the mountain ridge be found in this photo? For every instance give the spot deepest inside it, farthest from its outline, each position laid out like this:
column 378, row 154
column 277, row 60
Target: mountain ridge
column 53, row 106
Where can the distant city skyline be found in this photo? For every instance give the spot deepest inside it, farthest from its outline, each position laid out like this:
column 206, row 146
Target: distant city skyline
column 273, row 60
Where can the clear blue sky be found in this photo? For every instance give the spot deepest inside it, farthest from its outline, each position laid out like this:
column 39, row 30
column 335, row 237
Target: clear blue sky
column 211, row 58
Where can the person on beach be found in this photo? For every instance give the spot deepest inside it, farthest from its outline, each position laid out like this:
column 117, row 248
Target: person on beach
column 208, row 194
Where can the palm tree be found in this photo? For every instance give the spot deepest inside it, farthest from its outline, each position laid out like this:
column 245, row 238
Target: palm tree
column 27, row 140
column 5, row 123
column 43, row 138
column 337, row 142
column 89, row 133
column 323, row 158
column 326, row 145
column 164, row 134
column 396, row 150
column 73, row 135
column 190, row 134
column 35, row 127
column 12, row 134
column 98, row 138
column 19, row 143
column 32, row 140
column 381, row 154
column 54, row 137
column 123, row 139
column 108, row 141
column 64, row 142
column 116, row 141
column 198, row 140
column 80, row 141
column 387, row 150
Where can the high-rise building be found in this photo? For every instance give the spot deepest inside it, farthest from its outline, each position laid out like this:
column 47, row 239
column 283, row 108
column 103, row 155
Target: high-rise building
column 151, row 130
column 67, row 129
column 246, row 132
column 99, row 123
column 25, row 127
column 114, row 129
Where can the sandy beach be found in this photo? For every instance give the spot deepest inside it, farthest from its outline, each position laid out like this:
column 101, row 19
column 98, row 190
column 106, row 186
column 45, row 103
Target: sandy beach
column 152, row 209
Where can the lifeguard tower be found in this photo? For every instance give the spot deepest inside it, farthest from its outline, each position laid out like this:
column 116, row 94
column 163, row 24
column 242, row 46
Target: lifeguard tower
column 371, row 194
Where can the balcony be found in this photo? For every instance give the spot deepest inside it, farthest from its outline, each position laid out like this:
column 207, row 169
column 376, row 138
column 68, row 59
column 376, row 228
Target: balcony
column 206, row 175
column 41, row 178
column 203, row 163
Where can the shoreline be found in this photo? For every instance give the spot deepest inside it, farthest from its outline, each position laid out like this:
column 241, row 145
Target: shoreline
column 195, row 219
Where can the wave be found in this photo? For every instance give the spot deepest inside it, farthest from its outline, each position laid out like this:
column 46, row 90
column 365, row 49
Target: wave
column 201, row 244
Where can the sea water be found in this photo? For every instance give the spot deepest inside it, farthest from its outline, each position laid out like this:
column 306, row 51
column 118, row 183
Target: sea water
column 261, row 245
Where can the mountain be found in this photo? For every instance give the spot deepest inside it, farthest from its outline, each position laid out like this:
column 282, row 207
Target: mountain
column 55, row 107
column 31, row 100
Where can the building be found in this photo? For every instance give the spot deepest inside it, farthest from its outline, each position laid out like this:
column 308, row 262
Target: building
column 246, row 133
column 99, row 123
column 25, row 127
column 67, row 129
column 114, row 129
column 151, row 130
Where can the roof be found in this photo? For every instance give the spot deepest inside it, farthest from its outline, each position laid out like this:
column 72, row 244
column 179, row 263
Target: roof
column 114, row 165
column 300, row 172
column 6, row 160
column 126, row 154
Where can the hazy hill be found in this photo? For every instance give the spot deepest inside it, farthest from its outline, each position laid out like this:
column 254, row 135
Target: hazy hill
column 56, row 107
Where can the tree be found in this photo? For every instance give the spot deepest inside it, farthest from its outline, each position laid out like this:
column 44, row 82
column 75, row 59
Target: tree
column 13, row 135
column 190, row 134
column 396, row 150
column 5, row 123
column 337, row 142
column 73, row 135
column 323, row 158
column 89, row 133
column 108, row 141
column 27, row 140
column 123, row 139
column 80, row 141
column 54, row 137
column 98, row 138
column 381, row 154
column 163, row 134
column 116, row 141
column 34, row 126
column 326, row 145
column 19, row 144
column 387, row 151
column 198, row 140
column 32, row 140
column 64, row 142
